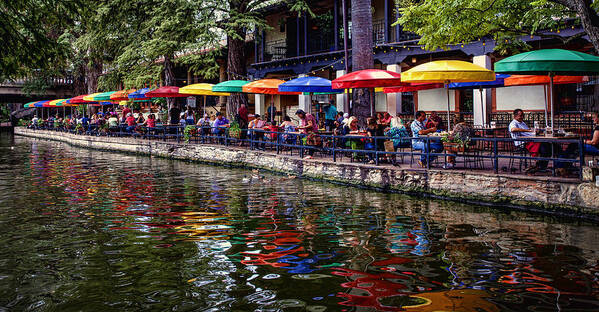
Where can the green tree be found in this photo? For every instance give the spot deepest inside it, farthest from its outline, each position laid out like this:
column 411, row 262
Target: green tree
column 445, row 22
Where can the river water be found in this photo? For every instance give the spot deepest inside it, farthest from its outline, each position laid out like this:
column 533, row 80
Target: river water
column 97, row 231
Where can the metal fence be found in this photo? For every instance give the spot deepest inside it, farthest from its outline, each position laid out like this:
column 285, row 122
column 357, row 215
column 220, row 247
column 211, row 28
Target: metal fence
column 498, row 154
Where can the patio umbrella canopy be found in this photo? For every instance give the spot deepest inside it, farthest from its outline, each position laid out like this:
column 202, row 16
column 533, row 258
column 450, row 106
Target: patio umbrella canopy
column 233, row 86
column 531, row 80
column 165, row 92
column 412, row 87
column 201, row 89
column 546, row 61
column 368, row 78
column 139, row 94
column 309, row 84
column 497, row 83
column 266, row 86
column 550, row 62
column 448, row 71
column 122, row 95
column 79, row 100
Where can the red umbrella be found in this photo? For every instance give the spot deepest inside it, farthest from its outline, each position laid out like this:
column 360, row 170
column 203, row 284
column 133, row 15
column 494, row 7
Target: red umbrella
column 165, row 92
column 368, row 78
column 413, row 87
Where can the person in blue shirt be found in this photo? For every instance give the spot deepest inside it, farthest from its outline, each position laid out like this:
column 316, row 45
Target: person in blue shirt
column 220, row 122
column 330, row 111
column 419, row 130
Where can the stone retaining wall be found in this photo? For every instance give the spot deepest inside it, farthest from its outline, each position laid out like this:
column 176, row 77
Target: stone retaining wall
column 536, row 193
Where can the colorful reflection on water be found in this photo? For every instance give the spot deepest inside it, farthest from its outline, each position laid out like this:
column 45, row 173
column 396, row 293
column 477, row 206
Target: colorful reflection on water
column 89, row 230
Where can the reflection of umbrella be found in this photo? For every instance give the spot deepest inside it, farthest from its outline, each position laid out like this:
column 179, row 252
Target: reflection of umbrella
column 309, row 85
column 550, row 62
column 267, row 86
column 480, row 85
column 532, row 80
column 204, row 89
column 368, row 78
column 233, row 86
column 446, row 72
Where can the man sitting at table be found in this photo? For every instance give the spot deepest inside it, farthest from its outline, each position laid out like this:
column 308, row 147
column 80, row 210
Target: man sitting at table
column 419, row 130
column 220, row 122
column 519, row 129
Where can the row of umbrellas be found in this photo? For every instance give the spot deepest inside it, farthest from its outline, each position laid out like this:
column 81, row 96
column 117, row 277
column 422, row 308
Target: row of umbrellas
column 540, row 67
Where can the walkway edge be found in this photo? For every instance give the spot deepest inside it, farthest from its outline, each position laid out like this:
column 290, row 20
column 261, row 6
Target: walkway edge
column 503, row 191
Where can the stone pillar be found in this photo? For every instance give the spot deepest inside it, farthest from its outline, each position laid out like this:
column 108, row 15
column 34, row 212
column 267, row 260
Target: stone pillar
column 260, row 107
column 394, row 99
column 305, row 103
column 481, row 105
column 341, row 98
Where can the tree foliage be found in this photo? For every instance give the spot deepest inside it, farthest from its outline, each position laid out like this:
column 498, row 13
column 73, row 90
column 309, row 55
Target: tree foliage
column 448, row 22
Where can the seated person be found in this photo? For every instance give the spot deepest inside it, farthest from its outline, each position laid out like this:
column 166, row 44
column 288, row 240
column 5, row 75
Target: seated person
column 351, row 128
column 219, row 123
column 419, row 130
column 373, row 130
column 398, row 133
column 113, row 122
column 519, row 129
column 204, row 122
column 130, row 120
column 591, row 146
column 257, row 124
column 434, row 121
column 288, row 126
column 461, row 131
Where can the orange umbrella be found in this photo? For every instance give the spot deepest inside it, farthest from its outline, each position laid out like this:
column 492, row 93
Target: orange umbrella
column 530, row 80
column 533, row 80
column 121, row 95
column 266, row 86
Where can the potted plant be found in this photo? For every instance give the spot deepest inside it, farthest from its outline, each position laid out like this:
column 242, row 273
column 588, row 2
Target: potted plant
column 235, row 130
column 189, row 132
column 455, row 143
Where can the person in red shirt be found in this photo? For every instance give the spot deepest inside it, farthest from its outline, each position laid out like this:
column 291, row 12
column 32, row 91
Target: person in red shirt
column 309, row 127
column 131, row 123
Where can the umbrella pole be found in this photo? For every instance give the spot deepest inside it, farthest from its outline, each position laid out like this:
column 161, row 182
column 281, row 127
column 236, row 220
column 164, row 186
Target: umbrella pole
column 551, row 97
column 448, row 119
column 204, row 105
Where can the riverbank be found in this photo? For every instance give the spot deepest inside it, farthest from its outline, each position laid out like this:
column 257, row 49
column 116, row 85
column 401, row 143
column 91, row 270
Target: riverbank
column 542, row 194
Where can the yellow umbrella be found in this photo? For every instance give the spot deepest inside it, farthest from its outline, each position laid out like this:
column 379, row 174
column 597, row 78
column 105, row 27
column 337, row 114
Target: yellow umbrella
column 204, row 89
column 446, row 72
column 90, row 97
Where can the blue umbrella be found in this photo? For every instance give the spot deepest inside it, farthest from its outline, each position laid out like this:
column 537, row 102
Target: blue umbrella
column 480, row 85
column 139, row 94
column 308, row 84
column 497, row 83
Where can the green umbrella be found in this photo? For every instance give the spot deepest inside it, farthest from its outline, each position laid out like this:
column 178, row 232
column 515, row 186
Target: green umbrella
column 104, row 96
column 230, row 86
column 550, row 62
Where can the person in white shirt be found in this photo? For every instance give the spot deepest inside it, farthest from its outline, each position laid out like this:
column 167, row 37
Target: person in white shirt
column 519, row 129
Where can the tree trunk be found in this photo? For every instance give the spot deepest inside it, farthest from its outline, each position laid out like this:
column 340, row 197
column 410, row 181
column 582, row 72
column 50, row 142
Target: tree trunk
column 588, row 17
column 236, row 70
column 361, row 17
column 92, row 72
column 169, row 80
